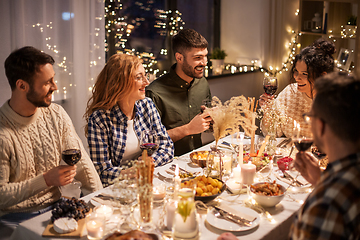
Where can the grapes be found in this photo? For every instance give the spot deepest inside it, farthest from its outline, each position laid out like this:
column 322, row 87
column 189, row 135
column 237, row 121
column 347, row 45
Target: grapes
column 73, row 208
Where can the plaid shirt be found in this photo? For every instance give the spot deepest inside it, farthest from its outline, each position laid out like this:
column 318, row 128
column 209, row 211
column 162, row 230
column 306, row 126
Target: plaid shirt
column 107, row 134
column 332, row 210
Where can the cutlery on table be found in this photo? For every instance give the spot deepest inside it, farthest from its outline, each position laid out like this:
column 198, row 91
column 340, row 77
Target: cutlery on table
column 292, row 179
column 173, row 166
column 219, row 213
column 284, row 142
column 246, row 218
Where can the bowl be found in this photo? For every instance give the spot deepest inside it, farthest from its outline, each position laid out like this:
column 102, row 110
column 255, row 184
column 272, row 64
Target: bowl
column 199, row 158
column 267, row 201
column 206, row 199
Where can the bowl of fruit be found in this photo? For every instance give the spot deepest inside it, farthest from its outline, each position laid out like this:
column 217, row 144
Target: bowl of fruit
column 208, row 188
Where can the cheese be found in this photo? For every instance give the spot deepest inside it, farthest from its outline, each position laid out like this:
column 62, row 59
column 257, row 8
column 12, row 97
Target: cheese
column 65, row 225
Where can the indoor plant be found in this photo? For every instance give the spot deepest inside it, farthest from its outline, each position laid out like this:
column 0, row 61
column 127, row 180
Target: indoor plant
column 217, row 60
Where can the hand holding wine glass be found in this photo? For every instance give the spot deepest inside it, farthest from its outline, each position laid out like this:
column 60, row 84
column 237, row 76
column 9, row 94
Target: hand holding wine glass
column 270, row 85
column 150, row 141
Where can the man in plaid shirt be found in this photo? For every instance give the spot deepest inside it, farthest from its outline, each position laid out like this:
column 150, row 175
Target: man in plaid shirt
column 332, row 210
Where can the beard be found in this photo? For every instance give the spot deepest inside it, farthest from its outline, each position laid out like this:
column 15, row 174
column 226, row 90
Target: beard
column 36, row 99
column 190, row 71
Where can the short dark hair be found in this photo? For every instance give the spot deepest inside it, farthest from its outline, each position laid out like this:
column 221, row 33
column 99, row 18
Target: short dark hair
column 186, row 39
column 337, row 102
column 23, row 63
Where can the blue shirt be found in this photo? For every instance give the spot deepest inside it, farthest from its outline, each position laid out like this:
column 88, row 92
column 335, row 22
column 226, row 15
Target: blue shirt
column 107, row 135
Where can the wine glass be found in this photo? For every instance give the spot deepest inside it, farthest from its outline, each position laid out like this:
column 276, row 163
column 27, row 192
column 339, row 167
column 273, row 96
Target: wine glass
column 126, row 193
column 270, row 85
column 71, row 154
column 149, row 141
column 302, row 143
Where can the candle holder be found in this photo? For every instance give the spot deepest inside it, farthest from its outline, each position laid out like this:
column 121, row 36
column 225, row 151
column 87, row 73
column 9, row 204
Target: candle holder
column 159, row 193
column 95, row 225
column 185, row 223
column 219, row 164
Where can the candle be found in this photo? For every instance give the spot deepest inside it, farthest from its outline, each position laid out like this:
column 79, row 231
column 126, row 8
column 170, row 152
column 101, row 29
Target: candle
column 105, row 210
column 170, row 212
column 241, row 149
column 237, row 173
column 248, row 173
column 159, row 192
column 95, row 226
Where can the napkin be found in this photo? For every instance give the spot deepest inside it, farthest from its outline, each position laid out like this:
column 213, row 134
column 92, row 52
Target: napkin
column 300, row 178
column 106, row 199
column 235, row 187
column 228, row 209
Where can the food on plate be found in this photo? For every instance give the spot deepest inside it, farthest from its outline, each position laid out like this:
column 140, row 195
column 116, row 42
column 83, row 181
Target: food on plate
column 284, row 163
column 185, row 174
column 65, row 225
column 205, row 186
column 267, row 189
column 258, row 161
column 200, row 155
column 71, row 208
column 134, row 234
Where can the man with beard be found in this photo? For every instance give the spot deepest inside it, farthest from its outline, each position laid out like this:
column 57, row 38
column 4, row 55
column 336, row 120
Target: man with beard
column 332, row 210
column 178, row 95
column 32, row 134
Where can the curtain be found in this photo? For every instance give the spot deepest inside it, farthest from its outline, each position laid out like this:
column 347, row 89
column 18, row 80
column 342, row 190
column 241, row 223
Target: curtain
column 72, row 32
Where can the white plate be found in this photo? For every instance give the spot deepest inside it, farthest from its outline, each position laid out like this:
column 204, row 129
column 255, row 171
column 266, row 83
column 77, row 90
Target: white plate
column 293, row 174
column 226, row 225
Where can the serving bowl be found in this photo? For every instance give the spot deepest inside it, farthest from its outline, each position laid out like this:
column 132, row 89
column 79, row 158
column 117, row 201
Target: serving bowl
column 264, row 200
column 199, row 158
column 206, row 199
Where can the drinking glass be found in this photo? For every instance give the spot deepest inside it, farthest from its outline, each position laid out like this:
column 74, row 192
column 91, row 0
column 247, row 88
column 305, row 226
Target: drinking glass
column 149, row 141
column 71, row 154
column 270, row 85
column 126, row 193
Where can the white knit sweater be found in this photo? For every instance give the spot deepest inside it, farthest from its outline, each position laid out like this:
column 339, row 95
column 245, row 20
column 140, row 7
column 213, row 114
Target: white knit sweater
column 290, row 105
column 29, row 147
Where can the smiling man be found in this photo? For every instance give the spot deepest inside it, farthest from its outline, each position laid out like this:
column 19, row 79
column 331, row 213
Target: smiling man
column 32, row 133
column 178, row 95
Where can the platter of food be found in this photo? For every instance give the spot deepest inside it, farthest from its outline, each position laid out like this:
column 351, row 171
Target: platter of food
column 207, row 188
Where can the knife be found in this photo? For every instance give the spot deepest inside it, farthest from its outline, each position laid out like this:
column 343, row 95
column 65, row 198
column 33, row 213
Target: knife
column 287, row 175
column 234, row 217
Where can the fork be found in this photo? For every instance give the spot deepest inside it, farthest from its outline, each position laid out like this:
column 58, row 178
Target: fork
column 220, row 214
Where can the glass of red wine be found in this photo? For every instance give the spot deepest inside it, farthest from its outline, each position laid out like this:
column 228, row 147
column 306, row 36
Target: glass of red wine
column 270, row 85
column 71, row 154
column 150, row 141
column 301, row 141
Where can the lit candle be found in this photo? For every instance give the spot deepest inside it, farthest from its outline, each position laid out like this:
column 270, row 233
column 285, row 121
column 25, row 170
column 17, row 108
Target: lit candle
column 95, row 226
column 248, row 172
column 105, row 210
column 159, row 192
column 177, row 180
column 241, row 149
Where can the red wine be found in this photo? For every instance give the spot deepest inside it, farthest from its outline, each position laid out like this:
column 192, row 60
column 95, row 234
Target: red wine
column 150, row 147
column 303, row 144
column 71, row 156
column 270, row 89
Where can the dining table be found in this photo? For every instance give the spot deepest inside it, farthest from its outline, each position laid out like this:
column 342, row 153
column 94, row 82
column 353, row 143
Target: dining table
column 272, row 223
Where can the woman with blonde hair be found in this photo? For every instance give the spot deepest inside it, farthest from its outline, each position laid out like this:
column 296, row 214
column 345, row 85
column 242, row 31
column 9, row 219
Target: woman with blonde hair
column 117, row 113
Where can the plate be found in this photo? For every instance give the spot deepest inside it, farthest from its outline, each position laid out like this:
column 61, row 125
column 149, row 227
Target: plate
column 166, row 173
column 300, row 178
column 226, row 225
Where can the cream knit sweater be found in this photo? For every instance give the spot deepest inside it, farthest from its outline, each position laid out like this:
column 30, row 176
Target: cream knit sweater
column 29, row 147
column 290, row 105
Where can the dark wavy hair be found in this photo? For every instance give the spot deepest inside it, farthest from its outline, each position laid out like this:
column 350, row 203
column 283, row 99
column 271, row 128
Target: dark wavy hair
column 337, row 103
column 318, row 58
column 186, row 39
column 23, row 63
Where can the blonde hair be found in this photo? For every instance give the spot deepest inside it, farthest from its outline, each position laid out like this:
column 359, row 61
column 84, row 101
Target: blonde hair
column 114, row 83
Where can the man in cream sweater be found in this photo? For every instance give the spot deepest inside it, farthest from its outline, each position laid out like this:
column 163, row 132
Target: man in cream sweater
column 32, row 133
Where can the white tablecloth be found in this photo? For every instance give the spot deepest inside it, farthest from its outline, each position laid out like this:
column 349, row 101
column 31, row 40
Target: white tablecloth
column 282, row 215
